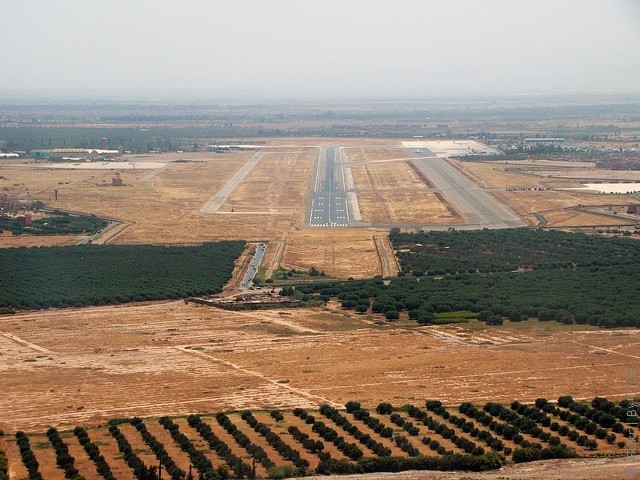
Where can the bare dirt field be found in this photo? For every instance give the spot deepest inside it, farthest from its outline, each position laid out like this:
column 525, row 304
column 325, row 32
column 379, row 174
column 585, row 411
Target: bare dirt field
column 83, row 366
column 278, row 184
column 497, row 175
column 269, row 203
column 394, row 192
column 574, row 469
column 555, row 206
column 383, row 176
column 515, row 185
column 338, row 252
column 406, row 208
column 7, row 240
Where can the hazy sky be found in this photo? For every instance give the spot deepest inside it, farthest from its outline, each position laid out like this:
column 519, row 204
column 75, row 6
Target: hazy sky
column 322, row 48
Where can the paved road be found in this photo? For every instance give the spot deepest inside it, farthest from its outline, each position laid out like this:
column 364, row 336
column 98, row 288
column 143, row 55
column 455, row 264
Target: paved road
column 479, row 208
column 329, row 203
column 155, row 173
column 214, row 204
column 254, row 265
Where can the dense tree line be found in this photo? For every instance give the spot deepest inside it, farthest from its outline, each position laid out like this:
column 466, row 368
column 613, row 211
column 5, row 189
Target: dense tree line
column 4, row 466
column 527, row 421
column 409, row 427
column 606, row 407
column 405, row 445
column 28, row 458
column 472, row 463
column 256, row 451
column 449, row 433
column 93, row 452
column 493, row 275
column 364, row 438
column 351, row 450
column 42, row 277
column 312, row 446
column 61, row 224
column 485, row 251
column 603, row 296
column 591, row 421
column 64, row 459
column 472, row 426
column 505, row 430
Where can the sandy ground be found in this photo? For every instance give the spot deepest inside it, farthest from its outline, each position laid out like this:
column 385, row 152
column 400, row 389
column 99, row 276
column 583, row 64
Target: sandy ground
column 341, row 252
column 406, row 208
column 555, row 205
column 270, row 203
column 575, row 469
column 82, row 366
column 278, row 184
column 514, row 184
column 7, row 240
column 394, row 193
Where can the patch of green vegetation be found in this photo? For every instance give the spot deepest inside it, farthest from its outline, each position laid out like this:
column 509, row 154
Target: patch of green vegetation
column 61, row 223
column 283, row 276
column 79, row 275
column 577, row 280
column 484, row 251
column 460, row 316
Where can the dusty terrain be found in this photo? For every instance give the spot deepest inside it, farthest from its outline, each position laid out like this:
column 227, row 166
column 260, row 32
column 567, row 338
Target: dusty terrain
column 528, row 188
column 390, row 191
column 83, row 366
column 575, row 469
column 344, row 252
column 278, row 184
column 270, row 202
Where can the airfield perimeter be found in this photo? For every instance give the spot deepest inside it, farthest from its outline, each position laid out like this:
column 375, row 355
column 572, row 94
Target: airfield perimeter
column 267, row 195
column 66, row 367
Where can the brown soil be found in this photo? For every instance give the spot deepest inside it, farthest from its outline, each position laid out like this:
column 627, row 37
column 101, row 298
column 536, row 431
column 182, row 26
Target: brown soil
column 82, row 366
column 574, row 469
column 337, row 252
column 109, row 449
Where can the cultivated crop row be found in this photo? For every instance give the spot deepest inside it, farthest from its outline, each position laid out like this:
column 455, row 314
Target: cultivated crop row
column 468, row 437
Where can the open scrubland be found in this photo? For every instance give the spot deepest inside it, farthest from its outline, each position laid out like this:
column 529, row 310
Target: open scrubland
column 391, row 191
column 83, row 366
column 278, row 184
column 468, row 322
column 549, row 189
column 271, row 200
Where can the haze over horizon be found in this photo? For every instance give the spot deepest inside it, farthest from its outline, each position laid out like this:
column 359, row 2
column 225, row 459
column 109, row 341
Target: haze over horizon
column 301, row 49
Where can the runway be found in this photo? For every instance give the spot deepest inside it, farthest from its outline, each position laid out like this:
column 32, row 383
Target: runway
column 328, row 206
column 478, row 207
column 214, row 204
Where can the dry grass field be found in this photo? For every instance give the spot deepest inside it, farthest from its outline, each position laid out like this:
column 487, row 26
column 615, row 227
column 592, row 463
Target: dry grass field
column 83, row 366
column 514, row 184
column 7, row 240
column 406, row 208
column 555, row 206
column 278, row 184
column 394, row 192
column 337, row 252
column 383, row 175
column 269, row 204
